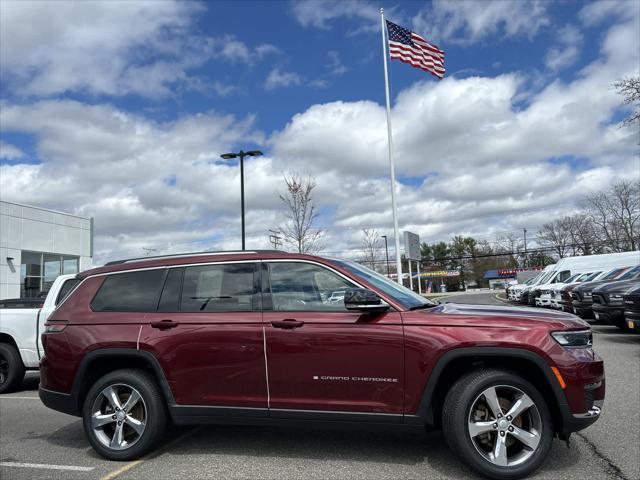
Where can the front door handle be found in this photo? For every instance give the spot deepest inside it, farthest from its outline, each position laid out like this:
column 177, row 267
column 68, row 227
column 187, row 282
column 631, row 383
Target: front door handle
column 164, row 324
column 287, row 323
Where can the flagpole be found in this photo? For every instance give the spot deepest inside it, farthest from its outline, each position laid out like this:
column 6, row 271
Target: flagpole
column 391, row 164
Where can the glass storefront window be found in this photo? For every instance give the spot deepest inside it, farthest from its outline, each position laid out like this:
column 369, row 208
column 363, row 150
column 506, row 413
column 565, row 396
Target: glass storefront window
column 39, row 270
column 70, row 265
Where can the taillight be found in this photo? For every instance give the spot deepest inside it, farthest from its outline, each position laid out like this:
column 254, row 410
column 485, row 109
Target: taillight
column 55, row 326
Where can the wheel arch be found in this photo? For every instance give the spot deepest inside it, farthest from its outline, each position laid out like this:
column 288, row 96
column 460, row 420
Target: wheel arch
column 454, row 363
column 9, row 340
column 98, row 363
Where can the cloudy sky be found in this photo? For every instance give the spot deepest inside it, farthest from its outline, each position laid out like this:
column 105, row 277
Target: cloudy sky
column 120, row 110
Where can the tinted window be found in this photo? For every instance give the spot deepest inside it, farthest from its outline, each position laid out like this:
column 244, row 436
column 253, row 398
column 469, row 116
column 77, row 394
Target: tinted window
column 218, row 288
column 67, row 286
column 170, row 299
column 130, row 292
column 305, row 287
column 394, row 290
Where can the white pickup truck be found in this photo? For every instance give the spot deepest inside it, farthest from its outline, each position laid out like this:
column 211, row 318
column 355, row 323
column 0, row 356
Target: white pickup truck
column 20, row 328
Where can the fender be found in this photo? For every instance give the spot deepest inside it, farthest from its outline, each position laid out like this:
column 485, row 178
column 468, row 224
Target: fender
column 119, row 353
column 423, row 408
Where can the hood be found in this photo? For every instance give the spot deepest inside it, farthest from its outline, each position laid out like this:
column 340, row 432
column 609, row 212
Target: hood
column 620, row 287
column 513, row 315
column 589, row 286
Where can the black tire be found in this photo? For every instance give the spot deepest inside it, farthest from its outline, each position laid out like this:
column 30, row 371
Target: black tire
column 11, row 368
column 154, row 410
column 456, row 415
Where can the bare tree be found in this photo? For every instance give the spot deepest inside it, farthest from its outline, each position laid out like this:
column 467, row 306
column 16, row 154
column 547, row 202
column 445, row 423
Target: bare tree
column 555, row 235
column 583, row 237
column 629, row 88
column 299, row 231
column 371, row 245
column 616, row 216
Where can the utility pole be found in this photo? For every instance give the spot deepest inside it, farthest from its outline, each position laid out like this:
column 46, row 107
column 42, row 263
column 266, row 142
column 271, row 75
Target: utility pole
column 526, row 257
column 275, row 239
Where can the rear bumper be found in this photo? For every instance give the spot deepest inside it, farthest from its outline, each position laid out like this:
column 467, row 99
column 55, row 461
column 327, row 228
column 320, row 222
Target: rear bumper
column 62, row 402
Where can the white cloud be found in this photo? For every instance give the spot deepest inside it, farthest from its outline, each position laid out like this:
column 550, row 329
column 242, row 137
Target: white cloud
column 466, row 21
column 566, row 53
column 93, row 47
column 10, row 152
column 320, row 13
column 278, row 79
column 472, row 159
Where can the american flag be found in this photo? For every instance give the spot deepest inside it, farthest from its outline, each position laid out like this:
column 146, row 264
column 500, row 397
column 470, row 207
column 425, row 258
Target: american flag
column 411, row 48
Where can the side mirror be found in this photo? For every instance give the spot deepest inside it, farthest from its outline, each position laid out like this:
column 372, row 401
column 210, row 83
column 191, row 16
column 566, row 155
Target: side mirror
column 363, row 300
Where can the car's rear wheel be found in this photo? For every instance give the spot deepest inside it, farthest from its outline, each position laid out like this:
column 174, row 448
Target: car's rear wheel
column 11, row 368
column 498, row 423
column 124, row 415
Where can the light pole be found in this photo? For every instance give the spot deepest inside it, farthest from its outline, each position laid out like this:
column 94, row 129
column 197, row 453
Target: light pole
column 386, row 249
column 241, row 155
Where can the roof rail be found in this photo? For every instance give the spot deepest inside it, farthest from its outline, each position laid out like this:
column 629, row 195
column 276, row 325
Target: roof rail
column 189, row 254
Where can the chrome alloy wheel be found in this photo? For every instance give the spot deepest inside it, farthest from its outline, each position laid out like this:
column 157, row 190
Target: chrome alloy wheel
column 505, row 425
column 118, row 417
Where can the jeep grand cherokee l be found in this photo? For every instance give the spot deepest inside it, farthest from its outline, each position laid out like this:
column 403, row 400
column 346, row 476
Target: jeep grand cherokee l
column 251, row 338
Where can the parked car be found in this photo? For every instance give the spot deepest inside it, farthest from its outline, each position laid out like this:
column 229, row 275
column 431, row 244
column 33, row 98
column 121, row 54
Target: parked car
column 632, row 309
column 582, row 294
column 20, row 345
column 555, row 290
column 608, row 301
column 564, row 298
column 568, row 266
column 251, row 338
column 544, row 300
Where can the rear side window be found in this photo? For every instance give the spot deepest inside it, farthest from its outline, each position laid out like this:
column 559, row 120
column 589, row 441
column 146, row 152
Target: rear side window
column 67, row 286
column 130, row 292
column 219, row 288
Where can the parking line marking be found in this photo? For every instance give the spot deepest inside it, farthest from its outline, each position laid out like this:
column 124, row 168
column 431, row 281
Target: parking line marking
column 160, row 451
column 4, row 397
column 46, row 466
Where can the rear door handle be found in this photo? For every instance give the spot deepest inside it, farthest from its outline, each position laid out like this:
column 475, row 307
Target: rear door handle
column 165, row 324
column 287, row 323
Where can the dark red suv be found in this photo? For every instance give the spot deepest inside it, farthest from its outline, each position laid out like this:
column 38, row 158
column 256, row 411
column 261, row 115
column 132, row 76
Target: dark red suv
column 277, row 338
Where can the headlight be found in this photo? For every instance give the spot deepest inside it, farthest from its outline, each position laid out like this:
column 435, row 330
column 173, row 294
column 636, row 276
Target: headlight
column 587, row 294
column 580, row 338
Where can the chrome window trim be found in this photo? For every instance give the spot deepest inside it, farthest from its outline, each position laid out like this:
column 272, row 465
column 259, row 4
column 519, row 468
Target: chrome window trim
column 393, row 304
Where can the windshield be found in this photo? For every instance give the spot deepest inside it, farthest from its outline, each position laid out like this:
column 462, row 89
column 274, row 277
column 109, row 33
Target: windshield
column 545, row 277
column 587, row 277
column 400, row 294
column 573, row 277
column 631, row 274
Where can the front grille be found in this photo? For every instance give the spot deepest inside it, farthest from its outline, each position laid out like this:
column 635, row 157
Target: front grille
column 632, row 303
column 576, row 296
column 600, row 298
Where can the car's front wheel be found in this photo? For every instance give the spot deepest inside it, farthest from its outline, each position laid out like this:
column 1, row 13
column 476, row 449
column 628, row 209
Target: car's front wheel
column 124, row 414
column 498, row 423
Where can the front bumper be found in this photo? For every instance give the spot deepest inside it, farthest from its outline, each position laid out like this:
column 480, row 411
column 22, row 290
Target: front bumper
column 632, row 317
column 608, row 314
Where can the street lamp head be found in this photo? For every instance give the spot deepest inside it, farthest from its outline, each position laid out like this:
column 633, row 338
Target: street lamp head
column 228, row 156
column 254, row 153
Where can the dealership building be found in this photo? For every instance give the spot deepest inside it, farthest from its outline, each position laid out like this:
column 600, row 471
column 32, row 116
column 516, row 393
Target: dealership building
column 37, row 245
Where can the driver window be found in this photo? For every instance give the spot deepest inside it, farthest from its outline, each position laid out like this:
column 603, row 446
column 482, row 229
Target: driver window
column 297, row 286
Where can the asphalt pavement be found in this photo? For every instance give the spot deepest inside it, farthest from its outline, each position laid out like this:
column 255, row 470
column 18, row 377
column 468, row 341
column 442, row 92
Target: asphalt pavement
column 36, row 442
